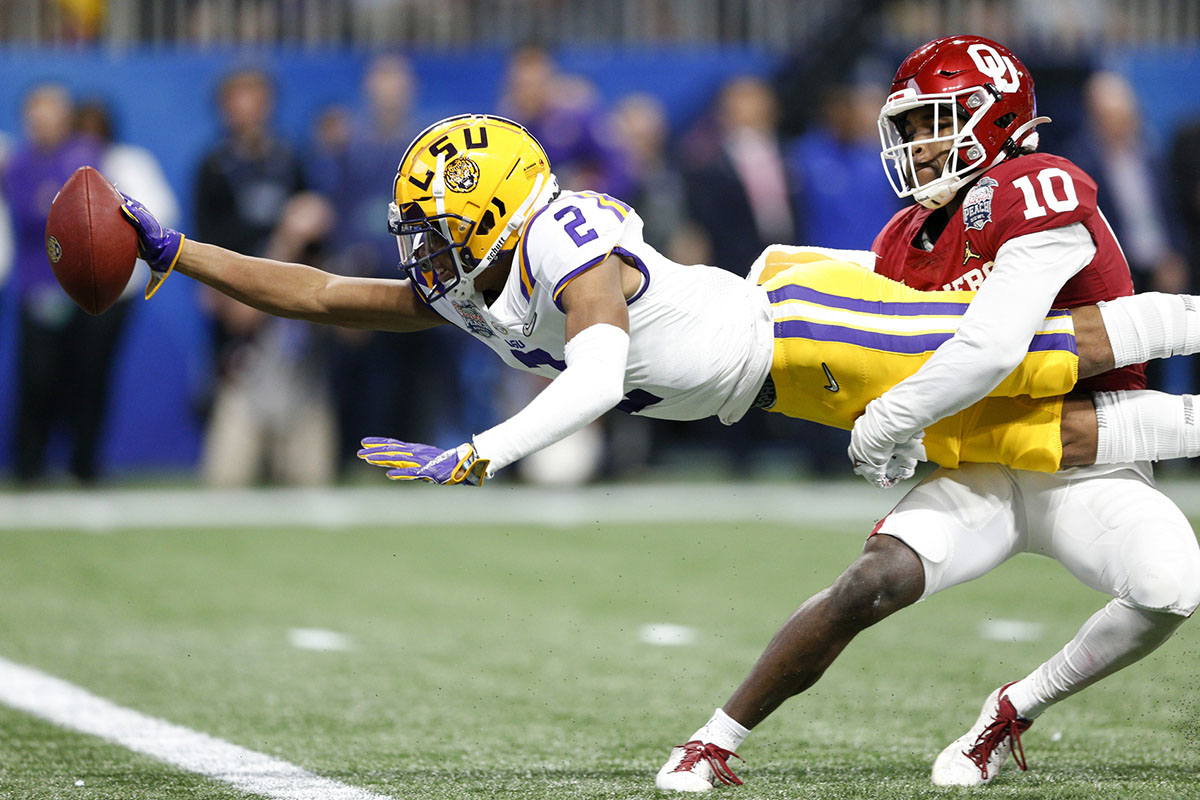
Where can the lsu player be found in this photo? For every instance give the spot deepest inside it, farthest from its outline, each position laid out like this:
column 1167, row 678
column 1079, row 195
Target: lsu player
column 1023, row 230
column 561, row 284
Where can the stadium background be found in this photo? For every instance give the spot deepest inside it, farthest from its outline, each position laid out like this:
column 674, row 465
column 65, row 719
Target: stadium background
column 157, row 63
column 521, row 641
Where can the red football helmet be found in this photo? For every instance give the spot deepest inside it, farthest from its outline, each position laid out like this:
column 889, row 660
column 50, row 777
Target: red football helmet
column 983, row 105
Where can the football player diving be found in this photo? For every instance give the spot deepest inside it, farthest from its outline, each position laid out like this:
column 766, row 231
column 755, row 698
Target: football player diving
column 1023, row 229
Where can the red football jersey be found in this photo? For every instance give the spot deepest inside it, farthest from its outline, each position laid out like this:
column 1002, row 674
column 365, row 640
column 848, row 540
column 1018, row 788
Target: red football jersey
column 1021, row 195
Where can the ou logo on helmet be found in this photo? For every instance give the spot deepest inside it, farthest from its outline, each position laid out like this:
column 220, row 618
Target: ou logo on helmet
column 997, row 67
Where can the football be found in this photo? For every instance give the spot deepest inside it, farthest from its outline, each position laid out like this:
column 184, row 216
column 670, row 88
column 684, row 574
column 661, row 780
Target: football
column 91, row 247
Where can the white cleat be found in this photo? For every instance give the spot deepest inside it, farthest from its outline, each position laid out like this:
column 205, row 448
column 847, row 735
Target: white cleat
column 974, row 758
column 696, row 767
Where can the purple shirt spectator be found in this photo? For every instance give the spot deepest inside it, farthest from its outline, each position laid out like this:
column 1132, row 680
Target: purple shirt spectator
column 32, row 180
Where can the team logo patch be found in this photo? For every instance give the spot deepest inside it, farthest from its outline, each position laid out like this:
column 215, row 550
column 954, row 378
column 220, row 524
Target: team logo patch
column 462, row 175
column 53, row 249
column 476, row 323
column 977, row 206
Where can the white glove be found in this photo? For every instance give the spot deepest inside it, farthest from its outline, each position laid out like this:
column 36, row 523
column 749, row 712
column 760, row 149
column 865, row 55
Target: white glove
column 879, row 458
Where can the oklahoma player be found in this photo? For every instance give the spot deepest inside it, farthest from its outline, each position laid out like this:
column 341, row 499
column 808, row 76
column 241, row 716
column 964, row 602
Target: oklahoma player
column 1023, row 230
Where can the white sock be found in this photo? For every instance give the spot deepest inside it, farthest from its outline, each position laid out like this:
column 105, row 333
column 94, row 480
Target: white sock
column 1151, row 325
column 1145, row 426
column 723, row 731
column 1115, row 637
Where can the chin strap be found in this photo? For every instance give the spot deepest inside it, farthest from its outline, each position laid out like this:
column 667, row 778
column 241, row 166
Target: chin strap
column 543, row 188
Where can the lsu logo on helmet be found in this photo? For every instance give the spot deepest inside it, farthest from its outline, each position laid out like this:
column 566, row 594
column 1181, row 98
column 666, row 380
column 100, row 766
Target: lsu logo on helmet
column 463, row 191
column 462, row 175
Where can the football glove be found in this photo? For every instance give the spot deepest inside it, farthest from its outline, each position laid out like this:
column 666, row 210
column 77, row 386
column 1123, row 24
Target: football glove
column 157, row 246
column 408, row 461
column 877, row 458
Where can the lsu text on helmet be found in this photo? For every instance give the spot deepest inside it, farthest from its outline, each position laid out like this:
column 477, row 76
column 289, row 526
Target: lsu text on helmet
column 983, row 106
column 463, row 191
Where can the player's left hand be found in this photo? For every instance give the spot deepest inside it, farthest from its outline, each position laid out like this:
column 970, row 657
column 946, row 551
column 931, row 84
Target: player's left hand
column 157, row 245
column 878, row 458
column 409, row 461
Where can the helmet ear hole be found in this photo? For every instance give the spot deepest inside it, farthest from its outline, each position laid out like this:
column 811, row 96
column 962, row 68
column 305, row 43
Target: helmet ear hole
column 1006, row 120
column 486, row 224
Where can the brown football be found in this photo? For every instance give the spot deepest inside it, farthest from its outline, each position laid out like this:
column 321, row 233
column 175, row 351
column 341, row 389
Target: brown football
column 91, row 247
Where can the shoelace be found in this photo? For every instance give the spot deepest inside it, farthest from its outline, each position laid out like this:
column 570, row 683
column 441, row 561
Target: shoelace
column 695, row 750
column 1003, row 726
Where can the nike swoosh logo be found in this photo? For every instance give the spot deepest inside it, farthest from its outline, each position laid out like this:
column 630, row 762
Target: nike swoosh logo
column 527, row 328
column 833, row 384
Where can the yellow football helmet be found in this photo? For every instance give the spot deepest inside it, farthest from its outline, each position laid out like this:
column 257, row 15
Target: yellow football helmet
column 464, row 189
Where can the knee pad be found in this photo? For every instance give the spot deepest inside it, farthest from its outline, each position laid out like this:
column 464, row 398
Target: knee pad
column 1165, row 586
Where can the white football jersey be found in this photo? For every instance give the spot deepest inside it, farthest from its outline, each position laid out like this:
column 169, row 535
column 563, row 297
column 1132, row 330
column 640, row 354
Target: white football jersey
column 700, row 338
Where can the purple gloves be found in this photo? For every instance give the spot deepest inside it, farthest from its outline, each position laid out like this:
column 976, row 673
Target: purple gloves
column 159, row 246
column 408, row 461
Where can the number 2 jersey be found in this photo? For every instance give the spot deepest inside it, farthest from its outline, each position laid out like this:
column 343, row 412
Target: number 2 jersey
column 700, row 338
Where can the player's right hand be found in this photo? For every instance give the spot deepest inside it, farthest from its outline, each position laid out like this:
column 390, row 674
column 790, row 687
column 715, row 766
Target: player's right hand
column 157, row 245
column 411, row 461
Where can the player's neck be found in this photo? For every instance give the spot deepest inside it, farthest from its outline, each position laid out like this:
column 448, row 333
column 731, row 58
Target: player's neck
column 491, row 282
column 936, row 222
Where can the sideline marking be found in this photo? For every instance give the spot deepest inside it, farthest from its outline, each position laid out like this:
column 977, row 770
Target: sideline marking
column 1011, row 630
column 850, row 507
column 73, row 707
column 666, row 634
column 854, row 506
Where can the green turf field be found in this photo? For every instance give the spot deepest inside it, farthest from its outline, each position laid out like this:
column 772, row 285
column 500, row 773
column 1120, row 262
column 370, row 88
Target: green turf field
column 506, row 662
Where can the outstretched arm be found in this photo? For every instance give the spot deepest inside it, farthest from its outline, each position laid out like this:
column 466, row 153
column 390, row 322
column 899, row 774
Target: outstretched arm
column 276, row 287
column 303, row 292
column 597, row 349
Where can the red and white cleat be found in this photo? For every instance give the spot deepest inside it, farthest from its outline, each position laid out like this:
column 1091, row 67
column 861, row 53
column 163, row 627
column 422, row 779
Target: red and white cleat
column 974, row 758
column 696, row 767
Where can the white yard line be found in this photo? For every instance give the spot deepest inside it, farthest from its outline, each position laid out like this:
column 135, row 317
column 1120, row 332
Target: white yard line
column 70, row 706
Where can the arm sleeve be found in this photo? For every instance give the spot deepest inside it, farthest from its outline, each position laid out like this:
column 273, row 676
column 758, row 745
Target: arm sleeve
column 592, row 383
column 995, row 331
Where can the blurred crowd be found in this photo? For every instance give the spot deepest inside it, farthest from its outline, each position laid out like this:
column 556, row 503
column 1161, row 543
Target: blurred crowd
column 288, row 401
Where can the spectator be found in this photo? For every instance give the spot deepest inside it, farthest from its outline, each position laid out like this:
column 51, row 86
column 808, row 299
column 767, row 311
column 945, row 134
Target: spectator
column 839, row 200
column 7, row 245
column 562, row 113
column 738, row 185
column 1117, row 151
column 354, row 160
column 1185, row 168
column 65, row 355
column 657, row 189
column 271, row 411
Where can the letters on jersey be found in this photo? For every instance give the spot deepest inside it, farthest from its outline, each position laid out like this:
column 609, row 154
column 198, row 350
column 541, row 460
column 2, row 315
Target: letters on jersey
column 1019, row 196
